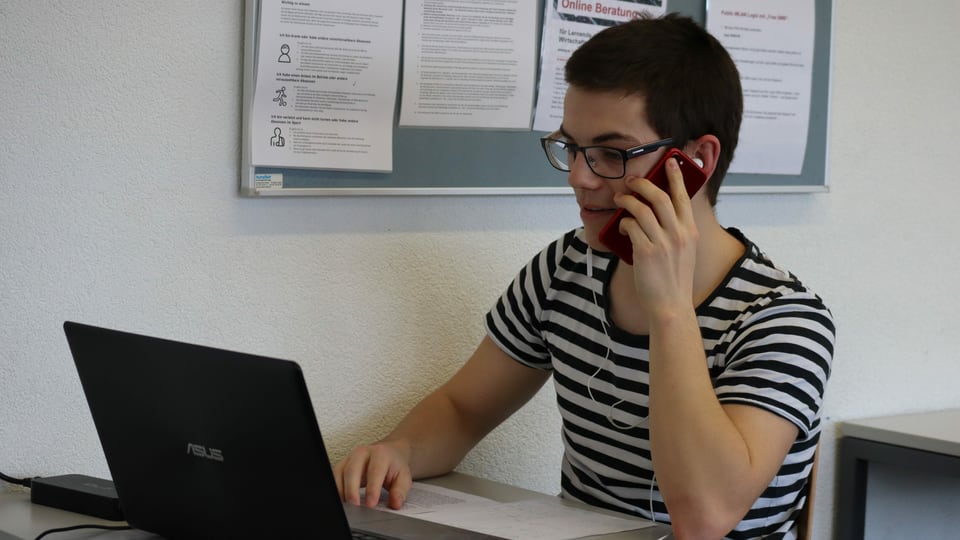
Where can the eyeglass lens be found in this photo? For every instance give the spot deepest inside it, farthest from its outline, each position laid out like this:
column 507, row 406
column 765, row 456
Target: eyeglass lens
column 606, row 162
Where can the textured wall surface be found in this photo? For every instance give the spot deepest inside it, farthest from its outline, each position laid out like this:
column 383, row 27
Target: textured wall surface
column 119, row 151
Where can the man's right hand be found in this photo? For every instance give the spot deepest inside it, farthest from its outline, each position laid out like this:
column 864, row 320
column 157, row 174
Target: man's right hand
column 442, row 428
column 385, row 465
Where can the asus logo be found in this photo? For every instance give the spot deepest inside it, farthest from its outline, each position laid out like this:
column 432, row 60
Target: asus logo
column 204, row 452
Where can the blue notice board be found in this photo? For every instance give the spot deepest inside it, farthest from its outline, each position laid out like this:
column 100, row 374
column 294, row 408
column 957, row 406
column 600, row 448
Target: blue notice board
column 431, row 161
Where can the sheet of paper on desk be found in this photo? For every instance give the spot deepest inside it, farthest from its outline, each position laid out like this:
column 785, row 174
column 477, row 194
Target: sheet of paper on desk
column 534, row 519
column 424, row 498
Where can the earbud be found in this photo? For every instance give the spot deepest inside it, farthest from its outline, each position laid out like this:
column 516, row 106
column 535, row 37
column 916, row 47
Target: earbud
column 589, row 262
column 698, row 161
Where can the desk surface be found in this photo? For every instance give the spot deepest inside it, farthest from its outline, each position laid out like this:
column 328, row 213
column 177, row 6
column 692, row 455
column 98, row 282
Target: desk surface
column 937, row 431
column 23, row 519
column 928, row 442
column 20, row 517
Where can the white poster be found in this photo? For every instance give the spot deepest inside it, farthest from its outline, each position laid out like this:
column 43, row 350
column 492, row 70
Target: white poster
column 771, row 42
column 469, row 64
column 326, row 84
column 566, row 25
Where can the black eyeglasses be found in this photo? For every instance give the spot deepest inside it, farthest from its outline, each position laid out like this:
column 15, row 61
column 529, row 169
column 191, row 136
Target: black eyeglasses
column 604, row 161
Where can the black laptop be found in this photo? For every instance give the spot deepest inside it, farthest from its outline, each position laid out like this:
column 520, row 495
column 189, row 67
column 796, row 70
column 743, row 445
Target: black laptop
column 209, row 443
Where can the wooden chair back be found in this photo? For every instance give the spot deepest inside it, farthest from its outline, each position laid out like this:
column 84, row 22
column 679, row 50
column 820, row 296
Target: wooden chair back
column 805, row 521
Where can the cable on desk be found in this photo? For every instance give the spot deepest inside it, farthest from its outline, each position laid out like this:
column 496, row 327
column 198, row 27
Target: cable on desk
column 19, row 481
column 77, row 527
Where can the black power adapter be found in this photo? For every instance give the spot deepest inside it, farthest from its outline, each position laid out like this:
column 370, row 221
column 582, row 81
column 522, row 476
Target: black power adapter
column 78, row 493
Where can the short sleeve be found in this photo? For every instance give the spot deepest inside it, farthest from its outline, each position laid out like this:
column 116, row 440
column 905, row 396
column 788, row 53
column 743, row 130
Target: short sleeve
column 514, row 322
column 781, row 359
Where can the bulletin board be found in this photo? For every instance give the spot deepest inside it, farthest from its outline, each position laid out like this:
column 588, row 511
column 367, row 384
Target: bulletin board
column 432, row 161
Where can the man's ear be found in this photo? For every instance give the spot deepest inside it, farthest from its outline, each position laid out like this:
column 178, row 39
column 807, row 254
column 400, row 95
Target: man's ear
column 706, row 149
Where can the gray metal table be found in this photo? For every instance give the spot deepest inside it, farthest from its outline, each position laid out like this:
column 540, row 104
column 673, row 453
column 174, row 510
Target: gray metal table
column 18, row 516
column 925, row 442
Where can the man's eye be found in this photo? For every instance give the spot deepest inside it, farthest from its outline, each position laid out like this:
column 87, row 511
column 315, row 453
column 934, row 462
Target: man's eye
column 605, row 155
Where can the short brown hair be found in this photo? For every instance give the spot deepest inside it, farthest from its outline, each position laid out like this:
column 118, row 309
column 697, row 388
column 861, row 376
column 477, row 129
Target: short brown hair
column 690, row 83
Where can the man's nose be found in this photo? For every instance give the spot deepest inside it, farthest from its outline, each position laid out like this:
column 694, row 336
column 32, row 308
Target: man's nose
column 581, row 176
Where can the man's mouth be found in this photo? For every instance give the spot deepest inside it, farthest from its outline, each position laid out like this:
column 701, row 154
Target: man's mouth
column 597, row 209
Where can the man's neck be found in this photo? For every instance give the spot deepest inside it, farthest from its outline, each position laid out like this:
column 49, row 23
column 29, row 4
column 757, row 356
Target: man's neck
column 717, row 252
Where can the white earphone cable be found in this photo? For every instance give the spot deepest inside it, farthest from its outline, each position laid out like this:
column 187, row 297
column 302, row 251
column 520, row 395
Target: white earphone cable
column 606, row 359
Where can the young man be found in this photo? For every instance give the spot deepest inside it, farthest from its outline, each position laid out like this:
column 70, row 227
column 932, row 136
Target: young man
column 690, row 383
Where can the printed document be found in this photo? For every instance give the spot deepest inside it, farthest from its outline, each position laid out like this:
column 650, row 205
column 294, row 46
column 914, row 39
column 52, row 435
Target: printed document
column 566, row 25
column 771, row 42
column 326, row 84
column 469, row 64
column 548, row 518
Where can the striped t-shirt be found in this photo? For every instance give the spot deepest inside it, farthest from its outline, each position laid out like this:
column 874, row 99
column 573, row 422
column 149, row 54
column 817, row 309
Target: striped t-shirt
column 768, row 342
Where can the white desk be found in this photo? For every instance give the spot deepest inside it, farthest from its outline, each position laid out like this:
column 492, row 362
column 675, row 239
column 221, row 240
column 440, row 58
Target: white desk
column 928, row 442
column 20, row 517
column 23, row 519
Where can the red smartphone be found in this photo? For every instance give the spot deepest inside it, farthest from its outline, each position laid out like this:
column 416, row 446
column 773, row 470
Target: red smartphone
column 693, row 178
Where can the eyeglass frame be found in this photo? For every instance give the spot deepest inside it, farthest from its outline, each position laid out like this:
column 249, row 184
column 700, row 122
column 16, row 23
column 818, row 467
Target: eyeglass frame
column 625, row 155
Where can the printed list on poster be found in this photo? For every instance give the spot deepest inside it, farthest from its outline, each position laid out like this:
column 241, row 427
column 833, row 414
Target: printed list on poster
column 469, row 64
column 326, row 84
column 771, row 41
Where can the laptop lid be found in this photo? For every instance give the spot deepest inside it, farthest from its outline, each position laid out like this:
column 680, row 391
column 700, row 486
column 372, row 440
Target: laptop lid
column 209, row 443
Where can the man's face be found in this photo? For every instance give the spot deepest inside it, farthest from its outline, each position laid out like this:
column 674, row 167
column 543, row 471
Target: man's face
column 608, row 119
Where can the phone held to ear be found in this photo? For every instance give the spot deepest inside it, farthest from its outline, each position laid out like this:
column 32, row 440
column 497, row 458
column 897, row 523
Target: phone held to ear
column 693, row 178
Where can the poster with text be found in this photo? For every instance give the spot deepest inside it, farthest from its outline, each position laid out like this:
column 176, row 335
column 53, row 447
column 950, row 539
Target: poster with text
column 326, row 84
column 771, row 42
column 469, row 64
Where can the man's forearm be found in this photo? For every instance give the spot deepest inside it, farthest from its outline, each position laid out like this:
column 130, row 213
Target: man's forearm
column 702, row 461
column 434, row 435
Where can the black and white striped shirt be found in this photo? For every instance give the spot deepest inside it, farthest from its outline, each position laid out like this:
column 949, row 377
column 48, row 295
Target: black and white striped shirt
column 768, row 342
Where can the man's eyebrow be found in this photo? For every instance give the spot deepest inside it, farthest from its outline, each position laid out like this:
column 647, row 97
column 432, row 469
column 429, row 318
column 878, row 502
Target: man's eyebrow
column 602, row 138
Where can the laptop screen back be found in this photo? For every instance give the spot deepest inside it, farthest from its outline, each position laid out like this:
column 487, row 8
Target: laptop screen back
column 207, row 443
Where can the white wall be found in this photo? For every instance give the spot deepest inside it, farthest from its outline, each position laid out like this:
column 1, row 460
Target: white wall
column 119, row 149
